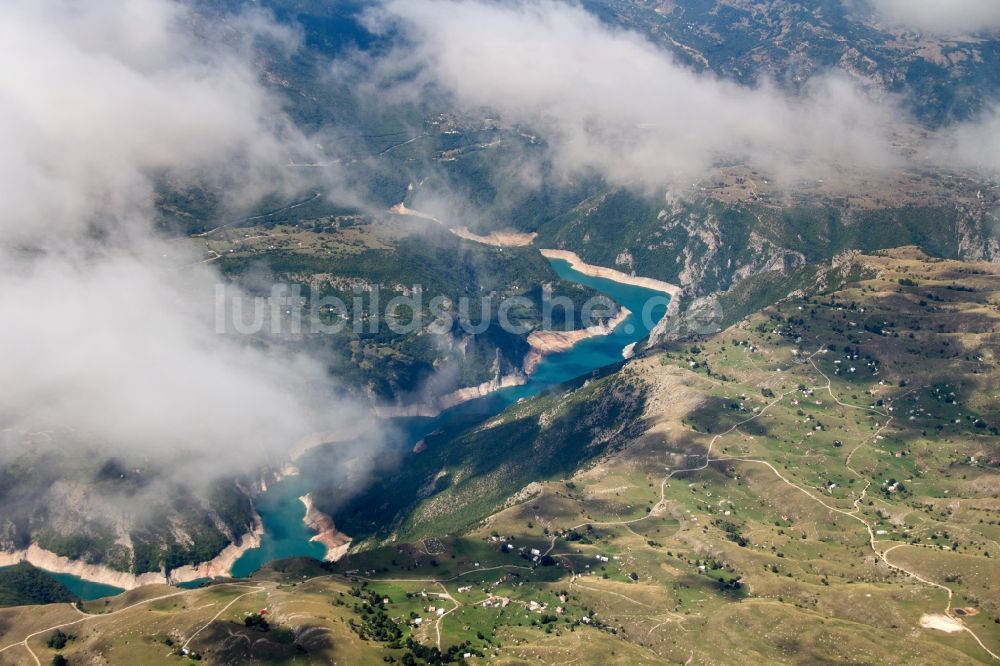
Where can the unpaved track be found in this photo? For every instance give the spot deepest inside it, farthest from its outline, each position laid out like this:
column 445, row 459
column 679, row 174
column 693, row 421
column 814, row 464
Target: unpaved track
column 92, row 616
column 853, row 513
column 434, row 581
column 216, row 616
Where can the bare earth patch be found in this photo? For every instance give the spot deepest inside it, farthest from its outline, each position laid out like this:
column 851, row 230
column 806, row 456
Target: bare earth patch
column 496, row 238
column 941, row 623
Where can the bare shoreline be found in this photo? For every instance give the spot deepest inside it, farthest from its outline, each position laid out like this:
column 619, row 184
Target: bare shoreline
column 337, row 543
column 496, row 238
column 448, row 400
column 579, row 265
column 543, row 343
column 401, row 209
column 219, row 566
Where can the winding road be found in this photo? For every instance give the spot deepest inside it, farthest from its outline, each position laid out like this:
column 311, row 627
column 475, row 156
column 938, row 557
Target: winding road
column 709, row 459
column 853, row 513
column 92, row 616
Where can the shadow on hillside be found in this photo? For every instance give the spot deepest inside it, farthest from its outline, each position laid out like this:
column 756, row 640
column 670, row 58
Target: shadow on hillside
column 232, row 643
column 547, row 437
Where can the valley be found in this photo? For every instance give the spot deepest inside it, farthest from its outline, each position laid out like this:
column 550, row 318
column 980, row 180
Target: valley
column 434, row 332
column 767, row 495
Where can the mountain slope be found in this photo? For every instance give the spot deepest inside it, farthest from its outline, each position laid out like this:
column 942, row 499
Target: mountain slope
column 798, row 463
column 793, row 489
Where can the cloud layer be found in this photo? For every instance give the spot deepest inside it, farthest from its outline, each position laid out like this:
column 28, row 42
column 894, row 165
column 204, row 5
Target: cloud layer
column 99, row 96
column 108, row 336
column 944, row 17
column 104, row 332
column 611, row 101
column 973, row 145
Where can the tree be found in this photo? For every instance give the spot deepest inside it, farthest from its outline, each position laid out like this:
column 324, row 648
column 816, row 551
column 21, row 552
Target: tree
column 258, row 622
column 57, row 640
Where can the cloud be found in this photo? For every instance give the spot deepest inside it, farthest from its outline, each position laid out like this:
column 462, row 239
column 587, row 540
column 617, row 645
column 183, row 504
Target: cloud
column 98, row 96
column 942, row 17
column 609, row 100
column 974, row 144
column 124, row 349
column 105, row 331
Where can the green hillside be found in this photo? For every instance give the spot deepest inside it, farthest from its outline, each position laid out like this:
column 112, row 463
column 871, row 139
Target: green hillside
column 24, row 585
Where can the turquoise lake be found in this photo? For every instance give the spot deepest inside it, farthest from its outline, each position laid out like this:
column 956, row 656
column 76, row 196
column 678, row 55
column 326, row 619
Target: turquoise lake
column 285, row 535
column 84, row 589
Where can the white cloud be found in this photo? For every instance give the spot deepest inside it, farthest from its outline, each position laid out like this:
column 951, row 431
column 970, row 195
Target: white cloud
column 104, row 333
column 98, row 95
column 610, row 100
column 944, row 17
column 124, row 351
column 974, row 144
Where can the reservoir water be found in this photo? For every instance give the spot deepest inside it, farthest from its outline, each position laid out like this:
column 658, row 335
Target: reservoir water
column 82, row 588
column 86, row 589
column 285, row 534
